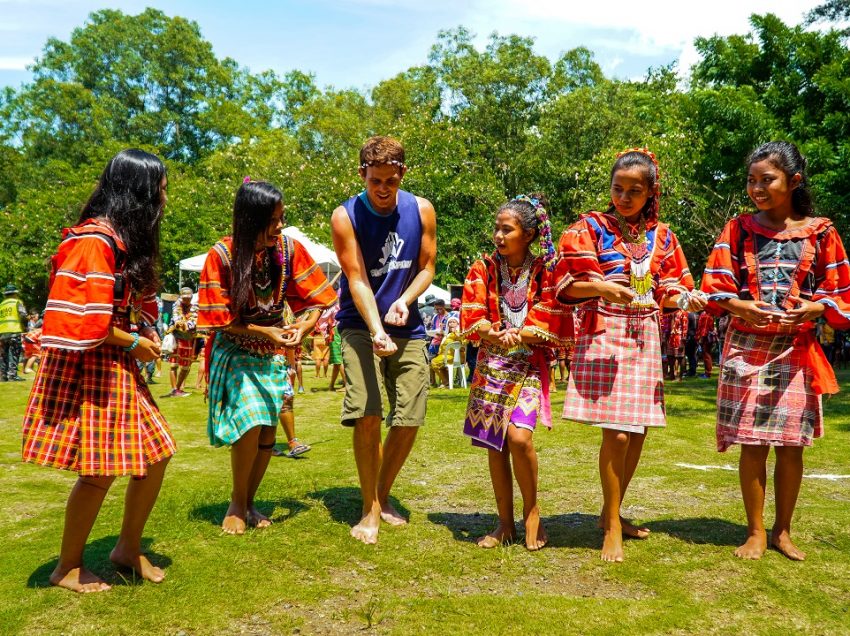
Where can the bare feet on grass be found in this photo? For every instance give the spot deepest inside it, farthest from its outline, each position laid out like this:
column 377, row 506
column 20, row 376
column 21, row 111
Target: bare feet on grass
column 257, row 519
column 367, row 530
column 78, row 580
column 535, row 534
column 781, row 540
column 754, row 547
column 612, row 545
column 502, row 534
column 629, row 529
column 139, row 564
column 235, row 520
column 392, row 516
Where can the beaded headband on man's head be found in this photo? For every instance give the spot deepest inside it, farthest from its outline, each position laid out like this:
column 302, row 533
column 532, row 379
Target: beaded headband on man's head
column 544, row 228
column 651, row 155
column 391, row 162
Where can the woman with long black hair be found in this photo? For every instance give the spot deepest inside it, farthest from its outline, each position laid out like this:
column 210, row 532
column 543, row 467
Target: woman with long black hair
column 90, row 411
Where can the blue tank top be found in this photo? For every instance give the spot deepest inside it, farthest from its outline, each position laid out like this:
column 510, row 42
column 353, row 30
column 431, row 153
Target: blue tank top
column 390, row 248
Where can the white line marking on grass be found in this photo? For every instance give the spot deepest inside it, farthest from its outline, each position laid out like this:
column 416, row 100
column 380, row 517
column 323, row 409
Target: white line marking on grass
column 704, row 468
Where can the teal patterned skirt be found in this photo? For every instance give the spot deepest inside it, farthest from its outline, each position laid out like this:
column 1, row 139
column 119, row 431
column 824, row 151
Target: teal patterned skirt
column 245, row 390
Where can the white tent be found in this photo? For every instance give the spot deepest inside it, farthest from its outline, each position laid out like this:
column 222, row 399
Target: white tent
column 437, row 292
column 324, row 257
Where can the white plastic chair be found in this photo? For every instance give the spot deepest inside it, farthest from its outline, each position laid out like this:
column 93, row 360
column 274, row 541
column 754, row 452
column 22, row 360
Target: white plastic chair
column 453, row 363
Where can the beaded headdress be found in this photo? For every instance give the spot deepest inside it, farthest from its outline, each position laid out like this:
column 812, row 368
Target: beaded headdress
column 544, row 228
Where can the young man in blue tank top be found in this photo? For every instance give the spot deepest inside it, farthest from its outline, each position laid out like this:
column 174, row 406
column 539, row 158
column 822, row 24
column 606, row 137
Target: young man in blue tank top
column 385, row 239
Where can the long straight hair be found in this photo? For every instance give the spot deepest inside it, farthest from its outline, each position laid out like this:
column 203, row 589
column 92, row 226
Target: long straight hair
column 129, row 196
column 253, row 209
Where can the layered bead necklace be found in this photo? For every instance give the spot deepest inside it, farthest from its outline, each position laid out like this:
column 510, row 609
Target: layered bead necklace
column 640, row 276
column 513, row 295
column 261, row 280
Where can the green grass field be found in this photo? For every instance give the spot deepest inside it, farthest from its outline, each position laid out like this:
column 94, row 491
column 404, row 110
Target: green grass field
column 306, row 575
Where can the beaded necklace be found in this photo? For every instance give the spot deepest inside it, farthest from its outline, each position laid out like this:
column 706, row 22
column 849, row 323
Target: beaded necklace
column 513, row 296
column 640, row 277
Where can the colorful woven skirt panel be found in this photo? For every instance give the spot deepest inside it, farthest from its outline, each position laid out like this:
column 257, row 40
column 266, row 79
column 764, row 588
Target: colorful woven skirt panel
column 506, row 387
column 764, row 396
column 616, row 377
column 245, row 390
column 91, row 412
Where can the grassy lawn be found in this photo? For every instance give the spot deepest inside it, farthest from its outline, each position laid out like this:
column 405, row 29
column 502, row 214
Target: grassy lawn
column 306, row 575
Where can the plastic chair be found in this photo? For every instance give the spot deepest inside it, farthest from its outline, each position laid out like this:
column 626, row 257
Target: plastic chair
column 453, row 363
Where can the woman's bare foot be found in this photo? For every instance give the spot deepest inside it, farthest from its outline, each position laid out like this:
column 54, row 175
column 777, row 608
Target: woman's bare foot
column 234, row 520
column 392, row 516
column 612, row 545
column 629, row 529
column 257, row 519
column 367, row 530
column 782, row 542
column 535, row 534
column 139, row 564
column 79, row 580
column 502, row 534
column 754, row 547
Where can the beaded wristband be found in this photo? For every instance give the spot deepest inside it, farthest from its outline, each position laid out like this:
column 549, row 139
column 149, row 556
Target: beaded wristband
column 135, row 342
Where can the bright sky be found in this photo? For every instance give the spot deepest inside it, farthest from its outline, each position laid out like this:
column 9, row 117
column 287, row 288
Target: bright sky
column 358, row 43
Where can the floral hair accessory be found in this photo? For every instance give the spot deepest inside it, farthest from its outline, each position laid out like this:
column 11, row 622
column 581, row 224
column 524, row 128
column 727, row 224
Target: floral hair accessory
column 246, row 180
column 651, row 155
column 391, row 162
column 544, row 227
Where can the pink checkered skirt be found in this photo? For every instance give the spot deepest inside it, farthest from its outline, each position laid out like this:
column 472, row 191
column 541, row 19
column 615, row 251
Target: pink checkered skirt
column 616, row 380
column 765, row 394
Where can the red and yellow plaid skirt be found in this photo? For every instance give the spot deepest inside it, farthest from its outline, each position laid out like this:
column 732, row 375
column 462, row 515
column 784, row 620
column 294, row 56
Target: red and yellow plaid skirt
column 616, row 378
column 764, row 396
column 91, row 412
column 184, row 354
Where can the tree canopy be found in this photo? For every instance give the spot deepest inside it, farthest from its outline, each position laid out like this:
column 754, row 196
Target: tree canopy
column 480, row 125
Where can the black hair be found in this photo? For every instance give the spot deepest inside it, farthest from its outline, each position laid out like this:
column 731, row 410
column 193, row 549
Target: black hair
column 253, row 210
column 128, row 195
column 639, row 159
column 785, row 156
column 525, row 212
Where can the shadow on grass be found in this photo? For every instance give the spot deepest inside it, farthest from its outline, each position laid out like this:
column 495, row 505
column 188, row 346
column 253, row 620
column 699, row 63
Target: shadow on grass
column 214, row 513
column 702, row 530
column 573, row 530
column 97, row 560
column 345, row 505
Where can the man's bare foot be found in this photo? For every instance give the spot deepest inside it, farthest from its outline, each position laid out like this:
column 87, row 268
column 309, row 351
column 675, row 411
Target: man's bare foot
column 257, row 519
column 612, row 545
column 535, row 534
column 502, row 534
column 629, row 529
column 754, row 547
column 234, row 520
column 782, row 542
column 139, row 564
column 367, row 530
column 79, row 580
column 392, row 516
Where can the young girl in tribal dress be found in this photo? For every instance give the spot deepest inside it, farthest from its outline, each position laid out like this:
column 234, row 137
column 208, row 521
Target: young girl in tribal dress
column 89, row 410
column 625, row 265
column 776, row 271
column 246, row 280
column 507, row 305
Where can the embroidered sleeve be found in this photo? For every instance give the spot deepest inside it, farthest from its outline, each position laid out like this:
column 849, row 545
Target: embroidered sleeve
column 832, row 274
column 150, row 309
column 547, row 318
column 214, row 291
column 308, row 287
column 78, row 313
column 721, row 279
column 473, row 309
column 674, row 276
column 578, row 260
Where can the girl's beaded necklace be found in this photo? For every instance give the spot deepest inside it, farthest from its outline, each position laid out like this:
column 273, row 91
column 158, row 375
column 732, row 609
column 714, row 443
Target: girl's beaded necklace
column 513, row 294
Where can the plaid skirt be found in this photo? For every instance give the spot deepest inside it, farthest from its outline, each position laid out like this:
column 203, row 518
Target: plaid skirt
column 184, row 354
column 91, row 412
column 245, row 390
column 764, row 396
column 616, row 380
